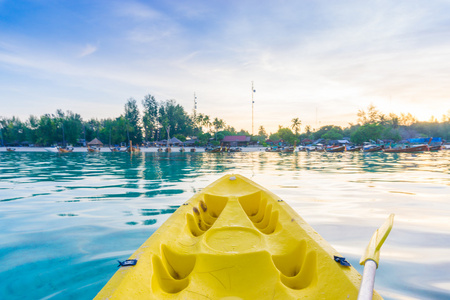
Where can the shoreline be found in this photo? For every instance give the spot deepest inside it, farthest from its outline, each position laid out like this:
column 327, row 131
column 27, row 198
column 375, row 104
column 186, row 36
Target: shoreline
column 107, row 150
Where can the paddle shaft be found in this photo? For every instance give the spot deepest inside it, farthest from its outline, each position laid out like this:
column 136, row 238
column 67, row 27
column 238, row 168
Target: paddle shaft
column 368, row 280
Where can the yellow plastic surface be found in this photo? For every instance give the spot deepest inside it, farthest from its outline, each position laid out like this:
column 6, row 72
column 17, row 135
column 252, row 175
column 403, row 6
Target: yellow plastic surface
column 234, row 240
column 373, row 249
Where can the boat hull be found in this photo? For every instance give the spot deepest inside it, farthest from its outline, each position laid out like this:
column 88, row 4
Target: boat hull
column 336, row 149
column 420, row 148
column 435, row 148
column 373, row 149
column 52, row 150
column 234, row 240
column 354, row 149
column 63, row 150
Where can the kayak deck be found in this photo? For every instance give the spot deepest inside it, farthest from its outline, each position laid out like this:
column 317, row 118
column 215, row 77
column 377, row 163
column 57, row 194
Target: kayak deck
column 234, row 240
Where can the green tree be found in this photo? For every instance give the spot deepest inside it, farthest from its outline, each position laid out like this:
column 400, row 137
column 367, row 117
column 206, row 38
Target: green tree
column 371, row 116
column 91, row 129
column 150, row 118
column 174, row 119
column 321, row 133
column 133, row 126
column 287, row 135
column 308, row 131
column 296, row 125
column 391, row 133
column 118, row 130
column 218, row 124
column 262, row 132
column 204, row 138
column 407, row 119
column 14, row 130
column 262, row 135
column 31, row 129
column 206, row 122
column 73, row 125
column 333, row 134
column 366, row 133
column 46, row 130
column 274, row 137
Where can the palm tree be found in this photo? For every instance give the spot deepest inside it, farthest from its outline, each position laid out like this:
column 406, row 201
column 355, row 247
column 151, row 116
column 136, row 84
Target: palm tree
column 296, row 125
column 218, row 124
column 198, row 120
column 262, row 132
column 206, row 121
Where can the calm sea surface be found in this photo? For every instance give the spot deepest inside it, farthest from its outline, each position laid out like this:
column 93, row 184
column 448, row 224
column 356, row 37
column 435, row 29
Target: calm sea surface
column 66, row 219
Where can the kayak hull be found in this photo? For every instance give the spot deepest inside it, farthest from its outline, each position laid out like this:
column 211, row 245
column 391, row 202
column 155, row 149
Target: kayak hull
column 234, row 240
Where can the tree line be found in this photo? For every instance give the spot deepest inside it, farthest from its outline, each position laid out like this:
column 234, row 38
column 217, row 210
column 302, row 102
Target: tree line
column 372, row 125
column 165, row 119
column 158, row 120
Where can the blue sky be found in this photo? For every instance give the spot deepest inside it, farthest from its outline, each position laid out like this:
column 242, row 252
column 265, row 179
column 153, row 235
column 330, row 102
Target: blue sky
column 320, row 61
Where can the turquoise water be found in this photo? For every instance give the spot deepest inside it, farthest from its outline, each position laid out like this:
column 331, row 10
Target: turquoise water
column 66, row 219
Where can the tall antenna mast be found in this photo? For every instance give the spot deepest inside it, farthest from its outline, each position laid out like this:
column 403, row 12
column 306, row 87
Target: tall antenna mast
column 253, row 102
column 195, row 106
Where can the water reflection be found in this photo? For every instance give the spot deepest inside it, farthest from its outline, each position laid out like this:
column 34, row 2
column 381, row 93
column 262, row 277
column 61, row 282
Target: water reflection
column 65, row 219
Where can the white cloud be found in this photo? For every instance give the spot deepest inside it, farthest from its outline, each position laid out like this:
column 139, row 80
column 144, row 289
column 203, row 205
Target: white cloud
column 88, row 50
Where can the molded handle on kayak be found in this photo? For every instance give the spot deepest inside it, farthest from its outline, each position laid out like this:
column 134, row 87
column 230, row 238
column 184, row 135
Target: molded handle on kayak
column 377, row 240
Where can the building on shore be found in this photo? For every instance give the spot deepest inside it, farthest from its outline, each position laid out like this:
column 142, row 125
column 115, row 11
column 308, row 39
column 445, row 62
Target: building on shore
column 236, row 141
column 95, row 143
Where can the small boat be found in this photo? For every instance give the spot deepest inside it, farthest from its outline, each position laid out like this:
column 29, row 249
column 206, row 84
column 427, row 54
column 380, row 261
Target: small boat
column 372, row 148
column 168, row 149
column 92, row 149
column 235, row 240
column 65, row 149
column 354, row 149
column 160, row 149
column 435, row 148
column 131, row 148
column 288, row 149
column 273, row 149
column 52, row 149
column 192, row 149
column 312, row 148
column 213, row 149
column 182, row 149
column 236, row 149
column 336, row 149
column 412, row 149
column 10, row 149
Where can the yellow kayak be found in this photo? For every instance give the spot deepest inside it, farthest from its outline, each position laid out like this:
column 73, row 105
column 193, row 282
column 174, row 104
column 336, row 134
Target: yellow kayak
column 234, row 240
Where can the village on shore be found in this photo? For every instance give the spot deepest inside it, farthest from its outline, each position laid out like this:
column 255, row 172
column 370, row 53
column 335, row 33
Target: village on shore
column 166, row 126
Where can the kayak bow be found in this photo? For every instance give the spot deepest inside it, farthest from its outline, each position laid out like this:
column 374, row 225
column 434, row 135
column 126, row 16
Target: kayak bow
column 234, row 240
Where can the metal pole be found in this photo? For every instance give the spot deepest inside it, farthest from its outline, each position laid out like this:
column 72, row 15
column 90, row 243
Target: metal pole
column 253, row 90
column 195, row 107
column 368, row 280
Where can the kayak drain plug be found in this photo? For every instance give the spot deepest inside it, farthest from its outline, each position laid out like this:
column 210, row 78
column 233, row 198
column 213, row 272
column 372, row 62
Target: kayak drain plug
column 342, row 261
column 127, row 263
